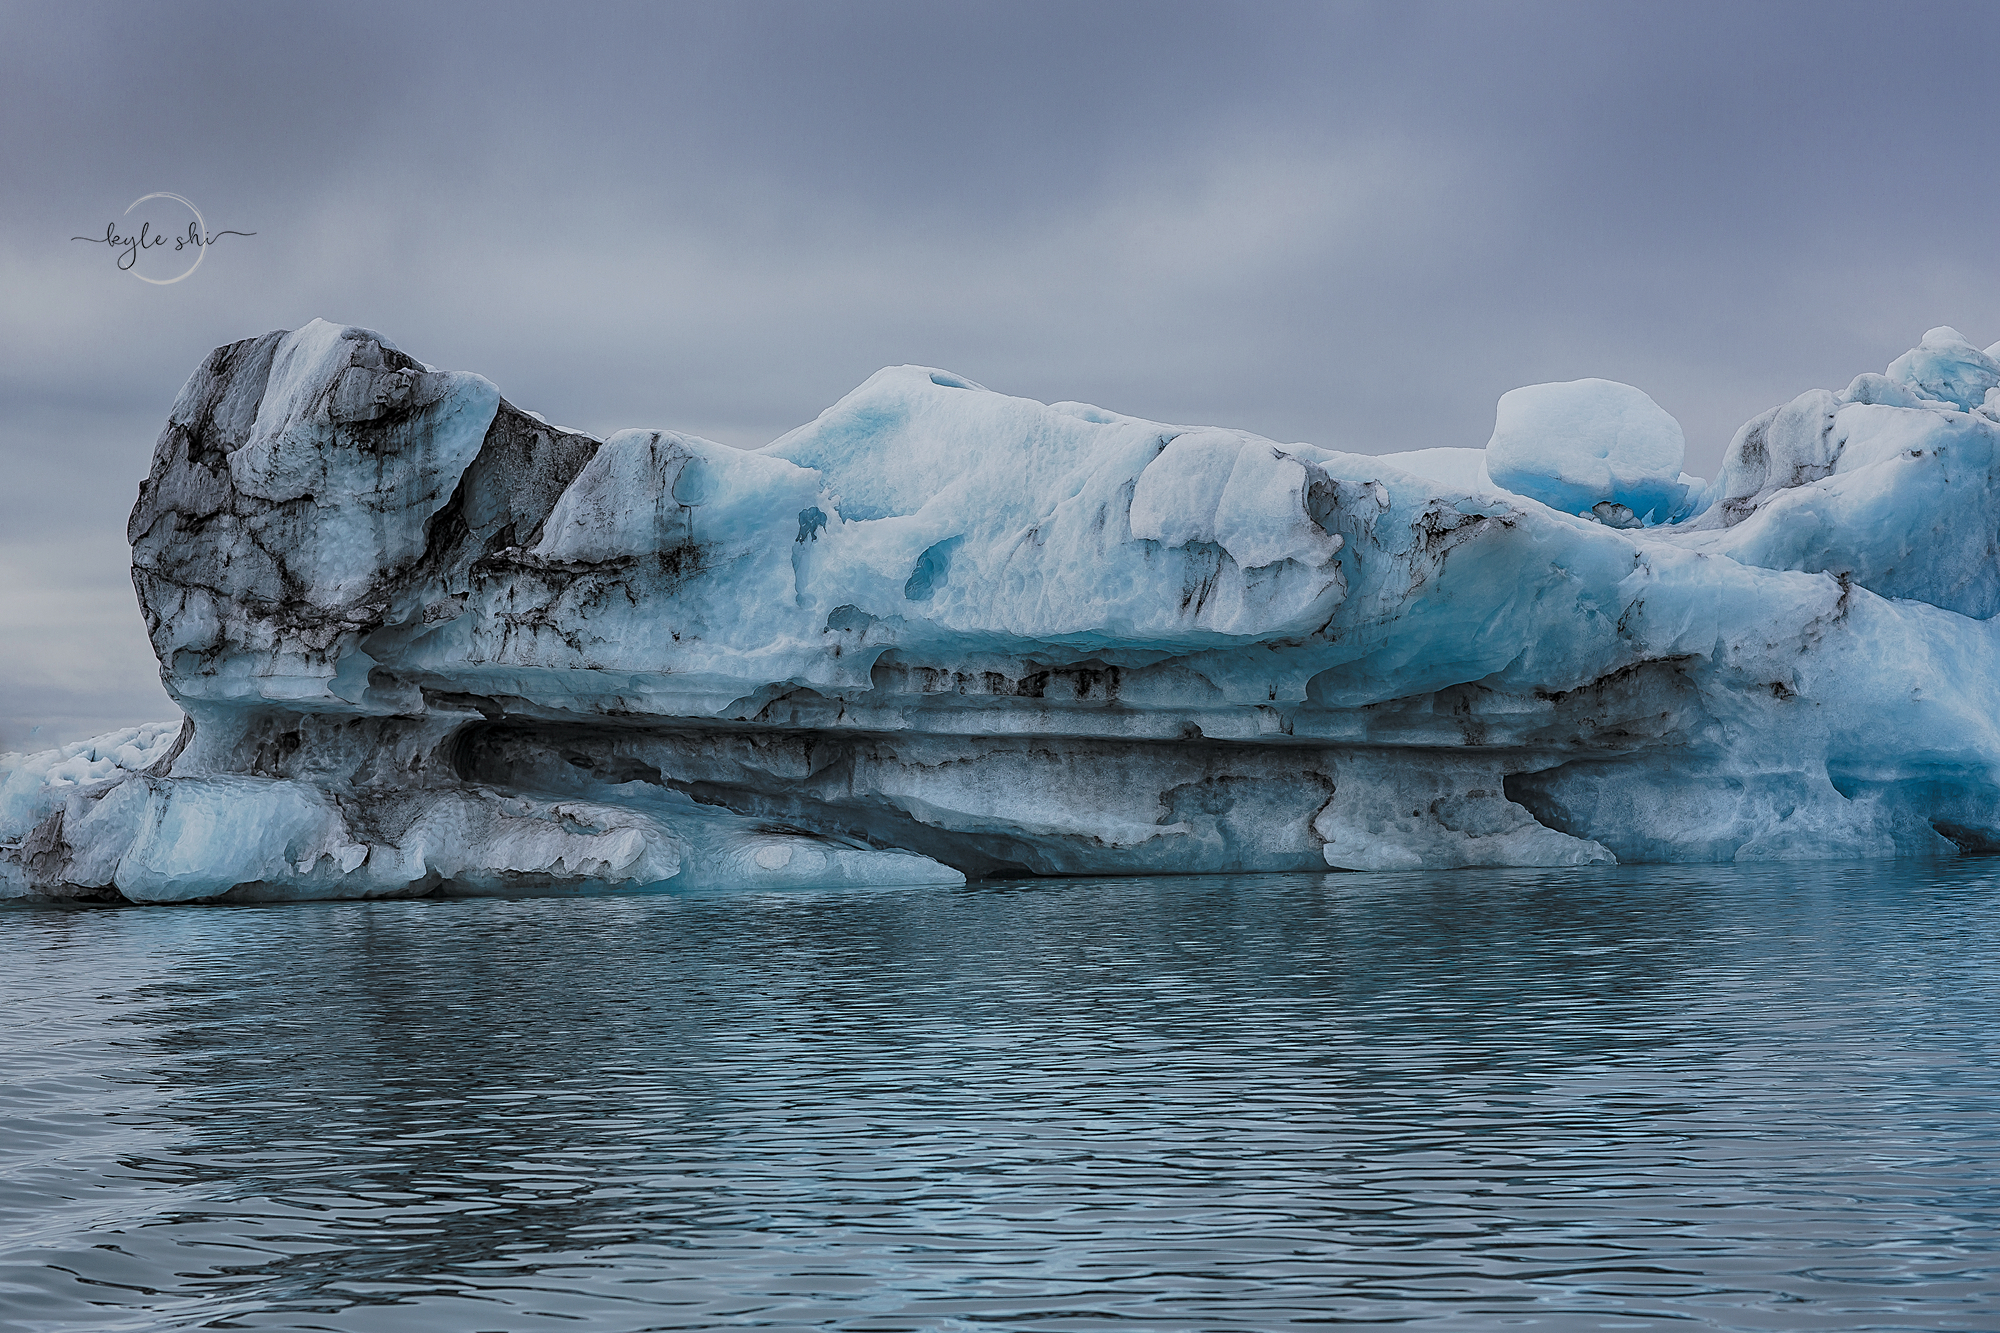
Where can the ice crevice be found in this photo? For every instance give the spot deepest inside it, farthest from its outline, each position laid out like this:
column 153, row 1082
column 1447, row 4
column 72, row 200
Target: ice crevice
column 426, row 641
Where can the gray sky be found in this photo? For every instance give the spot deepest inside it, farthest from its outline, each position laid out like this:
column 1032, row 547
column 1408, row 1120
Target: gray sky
column 1351, row 224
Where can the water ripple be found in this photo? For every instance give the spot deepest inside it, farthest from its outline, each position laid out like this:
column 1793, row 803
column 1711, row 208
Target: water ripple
column 1624, row 1098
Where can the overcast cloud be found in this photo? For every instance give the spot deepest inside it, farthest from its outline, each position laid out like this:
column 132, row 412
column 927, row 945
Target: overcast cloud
column 1352, row 224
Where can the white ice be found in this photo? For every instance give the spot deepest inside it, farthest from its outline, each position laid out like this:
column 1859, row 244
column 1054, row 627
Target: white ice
column 1591, row 447
column 32, row 785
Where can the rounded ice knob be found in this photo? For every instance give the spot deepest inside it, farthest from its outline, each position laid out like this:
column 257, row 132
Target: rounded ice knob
column 1947, row 368
column 1578, row 445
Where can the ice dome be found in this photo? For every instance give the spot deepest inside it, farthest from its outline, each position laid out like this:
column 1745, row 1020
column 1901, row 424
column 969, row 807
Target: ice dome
column 1582, row 444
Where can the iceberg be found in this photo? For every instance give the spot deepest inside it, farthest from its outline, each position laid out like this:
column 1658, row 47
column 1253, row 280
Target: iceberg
column 426, row 641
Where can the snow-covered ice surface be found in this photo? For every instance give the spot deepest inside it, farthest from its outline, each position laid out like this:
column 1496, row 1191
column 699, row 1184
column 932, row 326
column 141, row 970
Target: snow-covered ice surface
column 425, row 639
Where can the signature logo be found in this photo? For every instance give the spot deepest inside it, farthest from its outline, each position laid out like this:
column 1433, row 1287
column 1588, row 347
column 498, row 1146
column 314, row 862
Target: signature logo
column 141, row 245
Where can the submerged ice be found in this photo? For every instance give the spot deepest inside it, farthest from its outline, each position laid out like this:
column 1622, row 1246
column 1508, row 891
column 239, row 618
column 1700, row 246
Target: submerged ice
column 424, row 639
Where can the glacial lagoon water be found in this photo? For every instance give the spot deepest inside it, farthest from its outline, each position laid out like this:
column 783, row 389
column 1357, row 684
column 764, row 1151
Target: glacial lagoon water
column 1632, row 1098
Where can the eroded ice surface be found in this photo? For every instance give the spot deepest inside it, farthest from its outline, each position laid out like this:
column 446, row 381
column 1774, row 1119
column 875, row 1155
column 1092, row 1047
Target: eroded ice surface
column 425, row 638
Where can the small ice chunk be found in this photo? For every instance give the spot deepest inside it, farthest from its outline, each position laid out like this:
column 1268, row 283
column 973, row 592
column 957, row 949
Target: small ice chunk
column 32, row 786
column 1947, row 368
column 1584, row 443
column 1247, row 495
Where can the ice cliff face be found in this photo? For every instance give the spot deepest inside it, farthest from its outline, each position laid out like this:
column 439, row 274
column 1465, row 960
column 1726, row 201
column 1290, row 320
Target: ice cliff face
column 424, row 638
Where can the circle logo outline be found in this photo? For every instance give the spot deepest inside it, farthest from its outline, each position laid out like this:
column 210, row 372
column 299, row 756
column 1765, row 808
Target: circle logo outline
column 200, row 221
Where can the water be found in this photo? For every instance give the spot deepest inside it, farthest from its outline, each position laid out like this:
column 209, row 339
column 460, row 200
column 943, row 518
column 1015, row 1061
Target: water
column 1625, row 1099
